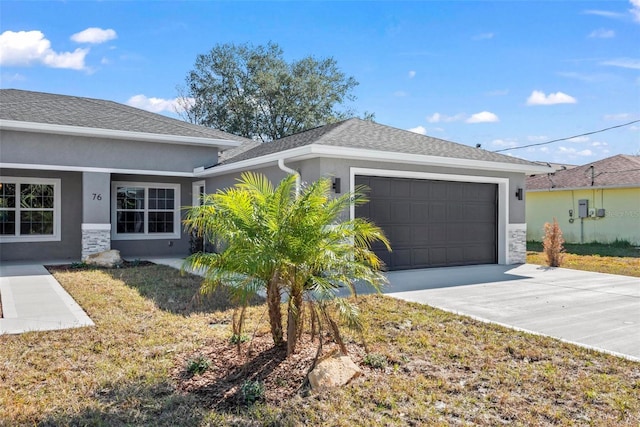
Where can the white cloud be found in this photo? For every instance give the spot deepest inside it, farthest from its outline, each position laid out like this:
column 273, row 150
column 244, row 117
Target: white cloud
column 442, row 118
column 575, row 152
column 635, row 9
column 601, row 33
column 616, row 117
column 599, row 144
column 483, row 36
column 537, row 138
column 539, row 98
column 412, row 74
column 94, row 35
column 25, row 48
column 588, row 78
column 634, row 64
column 156, row 105
column 15, row 77
column 418, row 129
column 507, row 143
column 579, row 139
column 483, row 117
column 604, row 13
column 400, row 93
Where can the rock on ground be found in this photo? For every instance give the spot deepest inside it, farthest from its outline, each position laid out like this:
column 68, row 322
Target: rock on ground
column 104, row 259
column 333, row 372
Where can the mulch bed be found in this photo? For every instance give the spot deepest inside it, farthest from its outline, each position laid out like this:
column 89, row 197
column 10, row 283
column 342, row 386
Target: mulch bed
column 283, row 378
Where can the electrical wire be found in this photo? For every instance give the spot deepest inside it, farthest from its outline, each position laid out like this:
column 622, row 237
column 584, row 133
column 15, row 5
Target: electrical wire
column 569, row 137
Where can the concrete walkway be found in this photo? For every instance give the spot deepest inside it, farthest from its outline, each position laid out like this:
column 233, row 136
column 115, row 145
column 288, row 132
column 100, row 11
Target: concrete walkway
column 32, row 300
column 594, row 310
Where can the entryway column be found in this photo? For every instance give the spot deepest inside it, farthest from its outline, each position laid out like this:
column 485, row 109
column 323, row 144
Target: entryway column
column 96, row 222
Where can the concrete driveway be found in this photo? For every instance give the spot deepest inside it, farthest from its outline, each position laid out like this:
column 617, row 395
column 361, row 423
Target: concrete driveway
column 599, row 311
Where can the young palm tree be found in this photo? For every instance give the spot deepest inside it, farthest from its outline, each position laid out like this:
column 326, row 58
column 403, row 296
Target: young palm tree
column 283, row 243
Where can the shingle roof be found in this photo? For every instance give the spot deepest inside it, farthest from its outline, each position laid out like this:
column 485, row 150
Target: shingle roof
column 358, row 133
column 620, row 170
column 38, row 107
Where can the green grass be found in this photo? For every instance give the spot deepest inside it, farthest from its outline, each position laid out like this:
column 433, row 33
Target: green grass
column 442, row 369
column 617, row 258
column 615, row 249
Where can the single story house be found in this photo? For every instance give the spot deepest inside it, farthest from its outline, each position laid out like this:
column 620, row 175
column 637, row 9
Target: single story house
column 82, row 175
column 598, row 201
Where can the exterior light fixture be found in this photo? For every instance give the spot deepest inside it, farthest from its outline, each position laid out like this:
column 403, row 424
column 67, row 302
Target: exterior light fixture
column 519, row 194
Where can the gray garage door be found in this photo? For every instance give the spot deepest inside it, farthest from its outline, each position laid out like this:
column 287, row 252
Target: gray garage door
column 433, row 223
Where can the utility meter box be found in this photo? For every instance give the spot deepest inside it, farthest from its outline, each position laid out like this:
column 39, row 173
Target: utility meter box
column 583, row 208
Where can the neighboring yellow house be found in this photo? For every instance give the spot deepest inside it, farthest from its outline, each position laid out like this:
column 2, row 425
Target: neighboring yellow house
column 599, row 201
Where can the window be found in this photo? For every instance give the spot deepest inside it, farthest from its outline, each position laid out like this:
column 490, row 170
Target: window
column 29, row 209
column 145, row 210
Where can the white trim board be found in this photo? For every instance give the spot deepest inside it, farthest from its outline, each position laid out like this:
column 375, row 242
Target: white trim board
column 318, row 150
column 63, row 168
column 503, row 193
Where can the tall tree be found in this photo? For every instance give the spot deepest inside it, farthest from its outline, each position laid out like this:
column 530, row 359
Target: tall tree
column 280, row 242
column 253, row 92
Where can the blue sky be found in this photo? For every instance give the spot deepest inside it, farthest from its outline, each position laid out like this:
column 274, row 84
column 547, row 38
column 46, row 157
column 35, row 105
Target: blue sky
column 500, row 74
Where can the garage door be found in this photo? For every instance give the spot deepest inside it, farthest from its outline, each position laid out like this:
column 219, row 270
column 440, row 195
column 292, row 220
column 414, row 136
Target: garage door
column 433, row 223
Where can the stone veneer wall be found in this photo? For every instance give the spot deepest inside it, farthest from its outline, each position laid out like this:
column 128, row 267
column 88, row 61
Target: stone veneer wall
column 517, row 251
column 95, row 238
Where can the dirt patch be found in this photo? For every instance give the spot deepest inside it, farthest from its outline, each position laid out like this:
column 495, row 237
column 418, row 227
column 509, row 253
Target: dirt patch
column 283, row 378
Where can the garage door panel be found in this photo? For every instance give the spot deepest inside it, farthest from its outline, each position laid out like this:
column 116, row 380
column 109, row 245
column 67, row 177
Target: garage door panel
column 380, row 211
column 401, row 258
column 419, row 212
column 433, row 223
column 437, row 233
column 420, row 235
column 401, row 234
column 401, row 211
column 437, row 211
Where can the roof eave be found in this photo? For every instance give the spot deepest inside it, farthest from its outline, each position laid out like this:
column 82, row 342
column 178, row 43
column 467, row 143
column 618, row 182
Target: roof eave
column 597, row 187
column 21, row 126
column 319, row 150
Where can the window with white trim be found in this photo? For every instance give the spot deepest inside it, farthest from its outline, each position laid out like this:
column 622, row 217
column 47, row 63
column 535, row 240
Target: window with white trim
column 144, row 210
column 29, row 209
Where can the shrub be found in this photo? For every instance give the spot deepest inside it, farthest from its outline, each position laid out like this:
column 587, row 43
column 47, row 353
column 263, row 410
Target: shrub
column 375, row 360
column 239, row 338
column 251, row 391
column 198, row 365
column 553, row 244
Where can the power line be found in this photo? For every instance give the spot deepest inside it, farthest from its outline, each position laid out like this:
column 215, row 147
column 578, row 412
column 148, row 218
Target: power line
column 569, row 137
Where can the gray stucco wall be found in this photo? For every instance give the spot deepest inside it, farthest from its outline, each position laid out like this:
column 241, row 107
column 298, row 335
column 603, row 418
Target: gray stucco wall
column 62, row 150
column 313, row 169
column 132, row 249
column 69, row 247
column 95, row 197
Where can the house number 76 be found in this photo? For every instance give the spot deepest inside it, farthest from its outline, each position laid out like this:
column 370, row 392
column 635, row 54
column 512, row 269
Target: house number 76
column 97, row 196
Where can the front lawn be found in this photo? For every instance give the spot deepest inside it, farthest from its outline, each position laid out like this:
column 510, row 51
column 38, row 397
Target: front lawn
column 619, row 258
column 425, row 366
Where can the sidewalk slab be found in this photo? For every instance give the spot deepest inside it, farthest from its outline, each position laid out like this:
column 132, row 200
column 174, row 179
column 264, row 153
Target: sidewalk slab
column 33, row 300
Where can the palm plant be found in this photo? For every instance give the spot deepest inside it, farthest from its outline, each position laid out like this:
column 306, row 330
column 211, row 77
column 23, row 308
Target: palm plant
column 286, row 243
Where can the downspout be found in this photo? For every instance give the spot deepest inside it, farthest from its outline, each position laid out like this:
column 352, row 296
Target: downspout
column 288, row 170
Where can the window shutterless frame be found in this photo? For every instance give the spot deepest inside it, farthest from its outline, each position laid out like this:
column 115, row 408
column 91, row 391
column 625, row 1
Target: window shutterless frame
column 30, row 209
column 145, row 210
